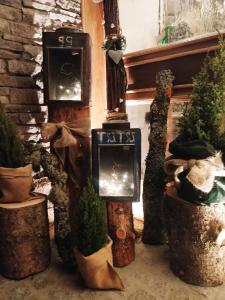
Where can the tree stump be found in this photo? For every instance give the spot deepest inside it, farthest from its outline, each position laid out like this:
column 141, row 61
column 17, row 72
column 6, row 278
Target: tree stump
column 24, row 236
column 196, row 235
column 121, row 230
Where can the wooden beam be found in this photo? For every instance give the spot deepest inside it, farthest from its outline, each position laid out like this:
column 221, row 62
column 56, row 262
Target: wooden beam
column 180, row 91
column 92, row 19
column 184, row 58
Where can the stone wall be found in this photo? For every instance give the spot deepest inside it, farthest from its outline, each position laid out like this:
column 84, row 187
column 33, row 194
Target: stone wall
column 21, row 84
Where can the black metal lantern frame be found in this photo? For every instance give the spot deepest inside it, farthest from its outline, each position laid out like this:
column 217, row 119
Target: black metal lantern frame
column 116, row 163
column 66, row 66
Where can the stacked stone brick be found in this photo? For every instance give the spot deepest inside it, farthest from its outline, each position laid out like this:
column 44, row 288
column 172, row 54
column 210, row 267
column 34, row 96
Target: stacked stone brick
column 21, row 84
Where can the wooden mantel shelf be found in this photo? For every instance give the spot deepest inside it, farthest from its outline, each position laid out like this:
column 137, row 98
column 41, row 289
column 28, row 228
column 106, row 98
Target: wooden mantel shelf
column 184, row 58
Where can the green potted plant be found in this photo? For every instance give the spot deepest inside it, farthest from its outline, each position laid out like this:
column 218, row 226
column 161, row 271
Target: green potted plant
column 194, row 206
column 15, row 176
column 204, row 120
column 202, row 131
column 93, row 246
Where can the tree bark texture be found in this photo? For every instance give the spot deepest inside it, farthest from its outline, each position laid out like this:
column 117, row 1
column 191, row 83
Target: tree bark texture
column 111, row 12
column 24, row 235
column 115, row 78
column 121, row 230
column 153, row 186
column 119, row 214
column 197, row 254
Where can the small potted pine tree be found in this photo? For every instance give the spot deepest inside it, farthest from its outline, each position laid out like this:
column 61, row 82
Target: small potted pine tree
column 93, row 246
column 194, row 209
column 15, row 176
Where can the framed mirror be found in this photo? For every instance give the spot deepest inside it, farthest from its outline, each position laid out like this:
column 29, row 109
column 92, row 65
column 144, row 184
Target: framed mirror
column 66, row 66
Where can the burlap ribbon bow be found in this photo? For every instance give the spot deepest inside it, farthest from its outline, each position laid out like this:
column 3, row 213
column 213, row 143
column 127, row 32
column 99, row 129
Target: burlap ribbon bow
column 64, row 138
column 201, row 172
column 62, row 132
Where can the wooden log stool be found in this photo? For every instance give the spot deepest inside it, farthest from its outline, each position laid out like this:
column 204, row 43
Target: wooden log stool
column 24, row 236
column 196, row 234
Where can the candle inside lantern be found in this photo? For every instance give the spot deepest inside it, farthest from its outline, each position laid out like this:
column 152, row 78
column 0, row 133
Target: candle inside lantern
column 116, row 168
column 65, row 74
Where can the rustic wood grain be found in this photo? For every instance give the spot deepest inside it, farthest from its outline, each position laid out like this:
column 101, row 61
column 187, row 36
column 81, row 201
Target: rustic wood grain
column 24, row 235
column 123, row 249
column 195, row 256
column 184, row 58
column 70, row 113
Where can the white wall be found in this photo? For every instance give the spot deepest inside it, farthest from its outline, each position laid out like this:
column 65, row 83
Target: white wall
column 140, row 24
column 139, row 21
column 136, row 110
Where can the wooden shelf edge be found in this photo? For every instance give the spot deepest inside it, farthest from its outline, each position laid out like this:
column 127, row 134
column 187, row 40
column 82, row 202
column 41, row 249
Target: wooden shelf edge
column 181, row 92
column 192, row 46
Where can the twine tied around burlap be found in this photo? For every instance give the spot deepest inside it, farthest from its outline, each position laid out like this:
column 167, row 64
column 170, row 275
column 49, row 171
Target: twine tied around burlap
column 65, row 141
column 201, row 173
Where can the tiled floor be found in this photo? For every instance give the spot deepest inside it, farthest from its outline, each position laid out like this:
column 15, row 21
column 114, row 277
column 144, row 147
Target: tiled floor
column 147, row 278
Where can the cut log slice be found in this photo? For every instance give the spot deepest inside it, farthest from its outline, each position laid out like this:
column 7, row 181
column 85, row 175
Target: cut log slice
column 196, row 240
column 24, row 236
column 121, row 230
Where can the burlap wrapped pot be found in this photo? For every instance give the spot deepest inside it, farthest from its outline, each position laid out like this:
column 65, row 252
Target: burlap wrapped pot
column 96, row 269
column 15, row 184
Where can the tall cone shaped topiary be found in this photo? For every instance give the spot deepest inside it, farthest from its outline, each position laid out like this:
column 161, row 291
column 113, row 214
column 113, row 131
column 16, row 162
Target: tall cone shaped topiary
column 93, row 246
column 91, row 225
column 153, row 186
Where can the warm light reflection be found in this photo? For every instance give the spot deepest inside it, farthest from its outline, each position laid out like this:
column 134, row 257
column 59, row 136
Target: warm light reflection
column 70, row 93
column 116, row 171
column 116, row 184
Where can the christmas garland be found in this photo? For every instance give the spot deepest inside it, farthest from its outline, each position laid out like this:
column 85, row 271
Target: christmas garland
column 114, row 45
column 114, row 42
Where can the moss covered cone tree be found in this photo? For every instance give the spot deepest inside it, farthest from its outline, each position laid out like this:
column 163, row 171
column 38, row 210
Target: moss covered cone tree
column 91, row 225
column 153, row 187
column 48, row 165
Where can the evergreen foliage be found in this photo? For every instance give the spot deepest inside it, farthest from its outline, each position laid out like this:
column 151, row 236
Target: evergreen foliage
column 204, row 119
column 11, row 147
column 91, row 225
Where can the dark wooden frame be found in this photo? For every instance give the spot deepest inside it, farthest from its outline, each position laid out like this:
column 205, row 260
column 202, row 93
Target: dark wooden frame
column 96, row 143
column 184, row 58
column 68, row 39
